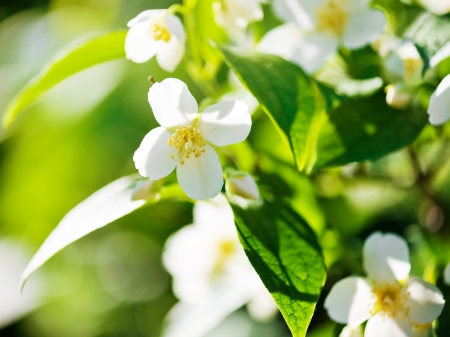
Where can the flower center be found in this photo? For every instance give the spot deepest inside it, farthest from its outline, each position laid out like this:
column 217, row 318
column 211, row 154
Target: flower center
column 158, row 29
column 333, row 17
column 390, row 299
column 187, row 140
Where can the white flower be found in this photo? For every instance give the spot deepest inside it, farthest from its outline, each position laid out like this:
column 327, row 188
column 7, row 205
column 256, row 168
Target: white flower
column 155, row 32
column 447, row 275
column 242, row 185
column 212, row 276
column 439, row 7
column 439, row 107
column 397, row 96
column 404, row 64
column 349, row 331
column 184, row 138
column 393, row 304
column 235, row 15
column 316, row 28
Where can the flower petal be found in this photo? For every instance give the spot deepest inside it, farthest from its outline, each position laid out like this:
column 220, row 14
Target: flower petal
column 439, row 7
column 153, row 157
column 225, row 123
column 380, row 325
column 301, row 14
column 312, row 50
column 350, row 331
column 386, row 257
column 175, row 27
column 425, row 301
column 139, row 45
column 170, row 54
column 439, row 103
column 363, row 27
column 172, row 103
column 447, row 275
column 201, row 178
column 350, row 301
column 281, row 41
column 145, row 16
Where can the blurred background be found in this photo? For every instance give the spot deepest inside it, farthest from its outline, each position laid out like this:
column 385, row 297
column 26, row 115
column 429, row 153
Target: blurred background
column 83, row 135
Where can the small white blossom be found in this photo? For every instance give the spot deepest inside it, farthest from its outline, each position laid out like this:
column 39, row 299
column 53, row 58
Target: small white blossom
column 314, row 29
column 185, row 137
column 447, row 275
column 438, row 108
column 404, row 64
column 393, row 304
column 211, row 271
column 155, row 32
column 439, row 7
column 349, row 331
column 242, row 185
column 235, row 15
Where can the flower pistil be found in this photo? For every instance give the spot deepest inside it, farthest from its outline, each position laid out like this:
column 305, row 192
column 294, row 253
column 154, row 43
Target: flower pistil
column 187, row 140
column 390, row 299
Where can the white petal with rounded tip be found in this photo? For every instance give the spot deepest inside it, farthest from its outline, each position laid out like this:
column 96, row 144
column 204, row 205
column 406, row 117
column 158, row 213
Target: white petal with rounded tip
column 363, row 27
column 217, row 208
column 386, row 257
column 312, row 51
column 153, row 157
column 349, row 331
column 381, row 326
column 281, row 41
column 139, row 45
column 201, row 178
column 244, row 186
column 172, row 103
column 293, row 11
column 425, row 301
column 175, row 27
column 438, row 108
column 439, row 7
column 447, row 275
column 350, row 301
column 146, row 15
column 170, row 54
column 225, row 123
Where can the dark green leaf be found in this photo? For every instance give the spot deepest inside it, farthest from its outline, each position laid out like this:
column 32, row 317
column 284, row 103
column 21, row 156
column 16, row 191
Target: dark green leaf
column 360, row 129
column 284, row 251
column 97, row 50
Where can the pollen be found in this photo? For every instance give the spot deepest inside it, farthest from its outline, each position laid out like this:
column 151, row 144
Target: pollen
column 390, row 299
column 188, row 141
column 158, row 29
column 333, row 17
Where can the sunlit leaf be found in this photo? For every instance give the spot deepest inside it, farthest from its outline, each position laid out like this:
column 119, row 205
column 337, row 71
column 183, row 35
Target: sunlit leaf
column 110, row 203
column 97, row 50
column 431, row 33
column 320, row 136
column 284, row 251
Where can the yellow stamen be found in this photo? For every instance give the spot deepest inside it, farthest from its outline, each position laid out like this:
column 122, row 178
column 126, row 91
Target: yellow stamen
column 187, row 140
column 390, row 299
column 333, row 17
column 158, row 29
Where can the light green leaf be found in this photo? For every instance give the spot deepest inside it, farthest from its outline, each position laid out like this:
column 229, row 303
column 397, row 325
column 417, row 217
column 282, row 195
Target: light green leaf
column 97, row 50
column 320, row 136
column 110, row 203
column 284, row 251
column 431, row 32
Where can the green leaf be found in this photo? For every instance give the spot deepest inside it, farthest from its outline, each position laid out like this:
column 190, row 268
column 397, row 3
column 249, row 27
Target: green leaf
column 360, row 129
column 284, row 251
column 94, row 51
column 432, row 33
column 108, row 204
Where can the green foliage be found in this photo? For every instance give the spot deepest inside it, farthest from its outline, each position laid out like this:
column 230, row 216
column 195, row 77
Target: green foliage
column 285, row 252
column 357, row 130
column 432, row 33
column 97, row 50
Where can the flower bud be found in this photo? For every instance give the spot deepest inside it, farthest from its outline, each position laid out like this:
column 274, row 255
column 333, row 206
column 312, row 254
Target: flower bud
column 242, row 185
column 397, row 97
column 447, row 275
